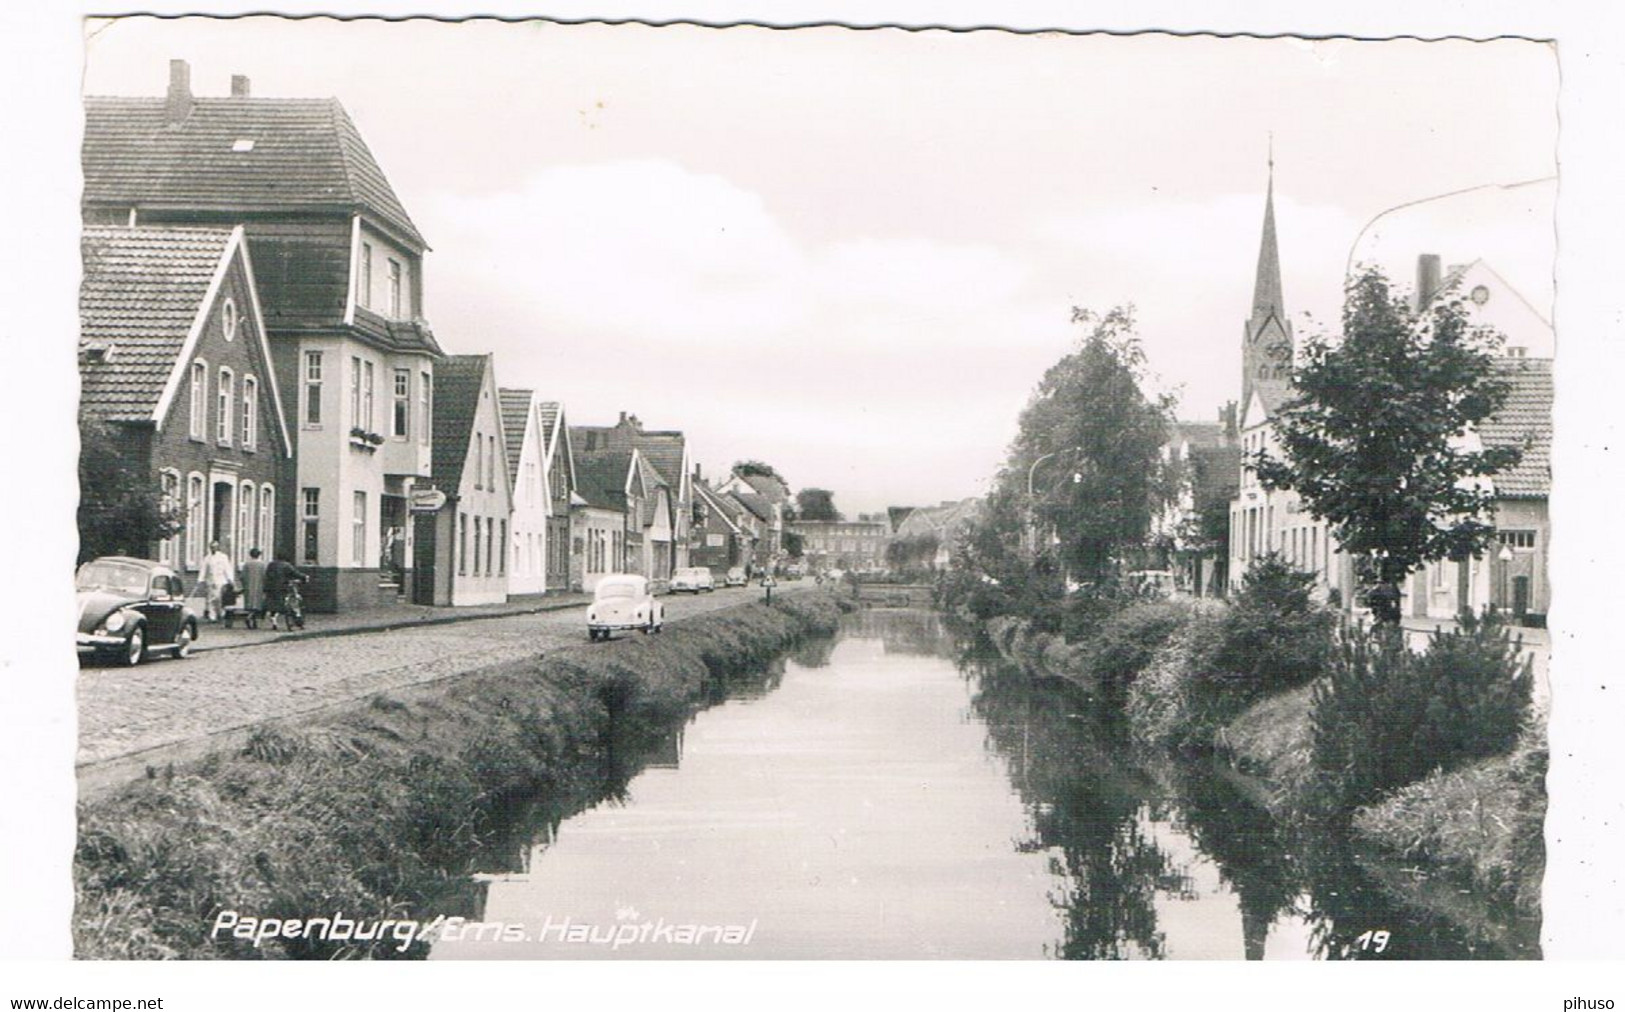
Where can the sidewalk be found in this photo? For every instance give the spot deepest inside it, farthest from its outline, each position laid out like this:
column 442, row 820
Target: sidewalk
column 215, row 636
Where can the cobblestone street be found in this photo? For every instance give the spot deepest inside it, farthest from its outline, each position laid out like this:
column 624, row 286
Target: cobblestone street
column 164, row 702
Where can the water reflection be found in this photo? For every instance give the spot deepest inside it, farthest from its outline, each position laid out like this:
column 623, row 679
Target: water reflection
column 887, row 793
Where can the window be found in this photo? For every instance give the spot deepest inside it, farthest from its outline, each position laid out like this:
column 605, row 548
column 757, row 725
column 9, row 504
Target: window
column 491, row 463
column 490, row 545
column 1516, row 539
column 426, row 398
column 243, row 539
column 403, row 404
column 366, row 396
column 228, row 319
column 479, row 531
column 251, row 389
column 310, row 520
column 194, row 520
column 394, row 288
column 502, row 556
column 479, row 460
column 358, row 530
column 199, row 406
column 225, row 410
column 365, row 283
column 355, row 391
column 265, row 541
column 313, row 388
column 462, row 544
column 169, row 487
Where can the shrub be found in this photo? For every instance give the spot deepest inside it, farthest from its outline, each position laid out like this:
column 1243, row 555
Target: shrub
column 1169, row 704
column 1385, row 717
column 1274, row 636
column 1127, row 642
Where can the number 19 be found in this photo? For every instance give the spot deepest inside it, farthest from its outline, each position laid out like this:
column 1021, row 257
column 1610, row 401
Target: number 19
column 1376, row 941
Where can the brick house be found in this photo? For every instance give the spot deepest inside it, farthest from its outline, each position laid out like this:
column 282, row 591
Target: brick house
column 338, row 265
column 466, row 541
column 599, row 521
column 173, row 358
column 720, row 536
column 666, row 451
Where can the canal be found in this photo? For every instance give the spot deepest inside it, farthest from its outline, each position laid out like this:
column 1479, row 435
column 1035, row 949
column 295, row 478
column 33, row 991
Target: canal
column 887, row 793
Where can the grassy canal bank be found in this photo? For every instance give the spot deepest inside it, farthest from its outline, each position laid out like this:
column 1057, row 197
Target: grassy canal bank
column 373, row 811
column 1426, row 767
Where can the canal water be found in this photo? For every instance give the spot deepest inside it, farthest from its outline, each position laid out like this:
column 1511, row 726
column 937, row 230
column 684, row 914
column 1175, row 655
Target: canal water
column 886, row 794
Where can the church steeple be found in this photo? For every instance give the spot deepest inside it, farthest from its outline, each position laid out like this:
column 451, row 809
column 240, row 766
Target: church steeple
column 1266, row 350
column 1267, row 299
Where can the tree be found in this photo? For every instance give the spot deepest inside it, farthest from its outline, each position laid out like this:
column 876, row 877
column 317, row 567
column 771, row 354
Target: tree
column 121, row 510
column 1373, row 442
column 817, row 504
column 756, row 468
column 1090, row 443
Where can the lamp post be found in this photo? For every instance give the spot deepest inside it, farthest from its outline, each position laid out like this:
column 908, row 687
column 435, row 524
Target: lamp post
column 1348, row 263
column 1032, row 501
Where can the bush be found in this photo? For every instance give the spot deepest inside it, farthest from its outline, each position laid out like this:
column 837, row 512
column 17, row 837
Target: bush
column 1127, row 642
column 1385, row 717
column 1170, row 705
column 1274, row 636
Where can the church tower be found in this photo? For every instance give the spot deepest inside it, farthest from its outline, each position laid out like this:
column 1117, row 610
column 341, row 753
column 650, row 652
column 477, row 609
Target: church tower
column 1266, row 346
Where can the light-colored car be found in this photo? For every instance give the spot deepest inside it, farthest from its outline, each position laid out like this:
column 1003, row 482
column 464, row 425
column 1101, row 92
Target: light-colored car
column 623, row 601
column 736, row 577
column 692, row 579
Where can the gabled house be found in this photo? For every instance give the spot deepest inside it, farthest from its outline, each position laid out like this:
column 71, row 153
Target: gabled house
column 1512, row 576
column 465, row 557
column 653, row 496
column 599, row 516
column 720, row 537
column 1203, row 462
column 558, row 472
column 175, row 367
column 946, row 523
column 667, row 452
column 767, row 497
column 527, row 476
column 338, row 266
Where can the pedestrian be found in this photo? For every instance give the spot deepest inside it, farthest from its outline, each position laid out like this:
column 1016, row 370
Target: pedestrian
column 252, row 577
column 213, row 579
column 282, row 581
column 1384, row 604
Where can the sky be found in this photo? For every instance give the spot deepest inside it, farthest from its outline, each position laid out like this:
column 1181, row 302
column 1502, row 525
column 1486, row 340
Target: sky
column 853, row 253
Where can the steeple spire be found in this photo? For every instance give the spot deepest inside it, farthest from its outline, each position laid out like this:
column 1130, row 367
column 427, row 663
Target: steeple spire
column 1267, row 298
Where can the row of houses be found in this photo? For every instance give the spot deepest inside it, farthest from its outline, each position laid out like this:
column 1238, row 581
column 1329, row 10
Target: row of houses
column 253, row 341
column 1511, row 577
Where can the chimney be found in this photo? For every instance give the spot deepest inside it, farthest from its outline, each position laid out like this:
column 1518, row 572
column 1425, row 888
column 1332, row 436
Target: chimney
column 239, row 86
column 178, row 104
column 1427, row 278
column 623, row 419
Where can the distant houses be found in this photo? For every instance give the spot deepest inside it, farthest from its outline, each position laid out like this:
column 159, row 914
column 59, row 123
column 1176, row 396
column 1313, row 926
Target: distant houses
column 253, row 344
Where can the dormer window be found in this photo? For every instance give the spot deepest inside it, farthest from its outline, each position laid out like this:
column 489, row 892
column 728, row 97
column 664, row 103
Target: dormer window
column 242, row 145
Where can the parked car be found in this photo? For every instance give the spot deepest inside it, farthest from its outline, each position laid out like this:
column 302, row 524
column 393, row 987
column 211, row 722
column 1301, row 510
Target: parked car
column 692, row 579
column 623, row 601
column 130, row 608
column 736, row 577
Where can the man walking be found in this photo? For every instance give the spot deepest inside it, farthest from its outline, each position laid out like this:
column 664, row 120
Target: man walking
column 213, row 578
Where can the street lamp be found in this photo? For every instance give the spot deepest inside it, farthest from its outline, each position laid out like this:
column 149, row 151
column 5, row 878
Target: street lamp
column 1348, row 264
column 1032, row 502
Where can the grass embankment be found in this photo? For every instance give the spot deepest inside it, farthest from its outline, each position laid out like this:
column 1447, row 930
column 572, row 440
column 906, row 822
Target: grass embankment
column 1410, row 755
column 375, row 811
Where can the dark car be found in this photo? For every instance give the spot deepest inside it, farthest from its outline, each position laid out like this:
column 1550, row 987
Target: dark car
column 129, row 608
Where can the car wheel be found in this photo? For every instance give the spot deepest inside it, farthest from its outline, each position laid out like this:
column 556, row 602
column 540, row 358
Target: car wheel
column 135, row 648
column 184, row 640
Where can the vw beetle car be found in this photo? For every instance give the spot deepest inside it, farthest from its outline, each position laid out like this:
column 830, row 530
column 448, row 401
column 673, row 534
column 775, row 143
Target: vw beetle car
column 692, row 579
column 623, row 601
column 130, row 608
column 736, row 577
